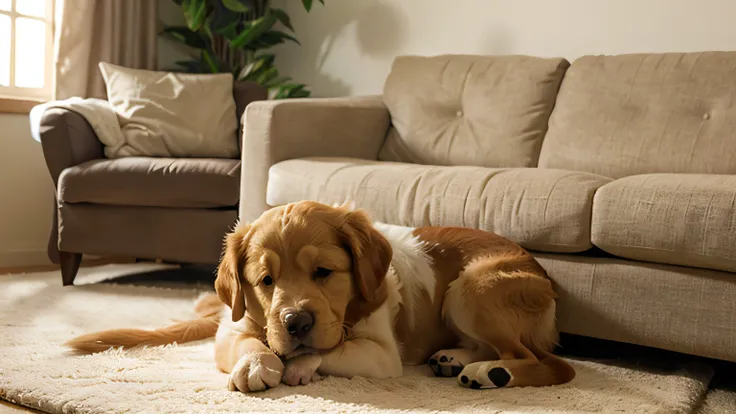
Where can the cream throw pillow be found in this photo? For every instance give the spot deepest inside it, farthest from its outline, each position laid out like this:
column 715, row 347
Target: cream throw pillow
column 164, row 114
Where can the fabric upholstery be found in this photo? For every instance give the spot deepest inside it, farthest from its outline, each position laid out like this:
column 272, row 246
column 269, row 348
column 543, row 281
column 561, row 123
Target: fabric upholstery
column 165, row 114
column 677, row 308
column 636, row 114
column 176, row 234
column 489, row 111
column 156, row 182
column 685, row 219
column 546, row 210
column 67, row 140
column 279, row 130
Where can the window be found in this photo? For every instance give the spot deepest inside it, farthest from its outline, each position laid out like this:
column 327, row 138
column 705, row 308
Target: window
column 26, row 49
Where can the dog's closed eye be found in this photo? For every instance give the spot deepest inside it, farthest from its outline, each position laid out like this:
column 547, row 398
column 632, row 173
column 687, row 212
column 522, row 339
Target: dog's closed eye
column 321, row 273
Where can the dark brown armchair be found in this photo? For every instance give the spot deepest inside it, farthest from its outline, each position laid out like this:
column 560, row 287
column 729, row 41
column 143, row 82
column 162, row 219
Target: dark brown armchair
column 175, row 209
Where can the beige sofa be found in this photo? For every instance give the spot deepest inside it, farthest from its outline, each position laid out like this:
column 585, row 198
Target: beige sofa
column 617, row 171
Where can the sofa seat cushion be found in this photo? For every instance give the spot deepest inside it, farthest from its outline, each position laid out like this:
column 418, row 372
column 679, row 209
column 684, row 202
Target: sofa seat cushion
column 547, row 210
column 683, row 219
column 153, row 182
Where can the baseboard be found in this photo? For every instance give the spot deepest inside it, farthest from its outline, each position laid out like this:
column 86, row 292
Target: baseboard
column 21, row 258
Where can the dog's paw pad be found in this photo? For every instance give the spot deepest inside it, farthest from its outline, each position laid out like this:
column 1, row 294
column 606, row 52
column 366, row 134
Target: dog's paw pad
column 484, row 375
column 499, row 376
column 445, row 364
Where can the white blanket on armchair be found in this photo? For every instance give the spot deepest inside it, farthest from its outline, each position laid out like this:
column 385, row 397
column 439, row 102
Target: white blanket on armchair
column 97, row 112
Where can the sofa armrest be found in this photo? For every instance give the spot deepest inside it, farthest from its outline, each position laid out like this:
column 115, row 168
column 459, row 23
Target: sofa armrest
column 280, row 130
column 67, row 140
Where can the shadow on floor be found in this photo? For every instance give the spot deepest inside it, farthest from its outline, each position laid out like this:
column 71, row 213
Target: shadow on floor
column 185, row 276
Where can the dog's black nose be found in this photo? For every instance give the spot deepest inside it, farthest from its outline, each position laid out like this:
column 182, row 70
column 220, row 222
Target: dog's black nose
column 298, row 323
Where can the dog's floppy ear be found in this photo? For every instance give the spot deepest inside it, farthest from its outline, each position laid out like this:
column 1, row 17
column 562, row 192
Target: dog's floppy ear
column 230, row 271
column 371, row 254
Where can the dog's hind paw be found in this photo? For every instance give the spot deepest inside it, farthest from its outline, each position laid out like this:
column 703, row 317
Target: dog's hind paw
column 449, row 362
column 484, row 375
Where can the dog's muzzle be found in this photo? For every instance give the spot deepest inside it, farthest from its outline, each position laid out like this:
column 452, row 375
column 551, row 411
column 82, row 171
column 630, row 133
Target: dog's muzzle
column 298, row 323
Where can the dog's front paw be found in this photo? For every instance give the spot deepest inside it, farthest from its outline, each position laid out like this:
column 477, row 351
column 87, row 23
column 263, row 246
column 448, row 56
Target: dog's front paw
column 256, row 372
column 302, row 370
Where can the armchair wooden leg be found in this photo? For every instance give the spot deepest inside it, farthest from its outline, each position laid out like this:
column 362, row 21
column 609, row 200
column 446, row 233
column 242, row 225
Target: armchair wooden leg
column 69, row 263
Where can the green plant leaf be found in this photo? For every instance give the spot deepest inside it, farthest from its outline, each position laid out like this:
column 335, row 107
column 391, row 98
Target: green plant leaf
column 248, row 35
column 259, row 64
column 235, row 23
column 272, row 38
column 267, row 76
column 186, row 36
column 212, row 64
column 308, row 4
column 240, row 6
column 277, row 82
column 195, row 11
column 283, row 18
column 223, row 20
column 286, row 91
column 302, row 93
column 269, row 58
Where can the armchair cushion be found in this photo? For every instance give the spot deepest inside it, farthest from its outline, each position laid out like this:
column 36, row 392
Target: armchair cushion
column 166, row 114
column 153, row 182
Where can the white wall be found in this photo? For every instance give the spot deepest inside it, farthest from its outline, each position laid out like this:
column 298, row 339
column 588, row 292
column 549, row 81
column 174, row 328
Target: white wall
column 348, row 45
column 26, row 195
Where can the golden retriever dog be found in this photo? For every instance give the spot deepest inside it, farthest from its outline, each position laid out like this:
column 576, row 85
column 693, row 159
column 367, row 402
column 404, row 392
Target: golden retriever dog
column 313, row 290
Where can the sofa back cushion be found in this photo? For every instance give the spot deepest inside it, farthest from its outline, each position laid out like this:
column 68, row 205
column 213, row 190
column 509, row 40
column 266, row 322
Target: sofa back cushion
column 489, row 111
column 646, row 113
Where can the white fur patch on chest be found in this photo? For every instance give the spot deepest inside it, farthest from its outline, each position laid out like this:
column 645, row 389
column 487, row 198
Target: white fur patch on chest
column 411, row 264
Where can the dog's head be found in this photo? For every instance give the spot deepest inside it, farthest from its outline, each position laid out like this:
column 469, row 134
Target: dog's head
column 303, row 272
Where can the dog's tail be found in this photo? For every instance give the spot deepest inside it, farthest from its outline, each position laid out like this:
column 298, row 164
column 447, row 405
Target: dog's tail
column 207, row 308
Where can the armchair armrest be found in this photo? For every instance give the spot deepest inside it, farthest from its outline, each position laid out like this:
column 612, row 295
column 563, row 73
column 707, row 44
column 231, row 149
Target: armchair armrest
column 280, row 130
column 67, row 140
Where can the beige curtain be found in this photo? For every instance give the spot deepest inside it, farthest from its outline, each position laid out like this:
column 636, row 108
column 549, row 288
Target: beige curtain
column 122, row 32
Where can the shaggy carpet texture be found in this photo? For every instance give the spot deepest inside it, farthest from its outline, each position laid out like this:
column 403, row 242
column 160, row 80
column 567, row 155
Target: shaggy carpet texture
column 37, row 315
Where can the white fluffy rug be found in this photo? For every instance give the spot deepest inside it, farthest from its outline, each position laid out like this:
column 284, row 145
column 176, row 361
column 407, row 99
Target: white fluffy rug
column 37, row 314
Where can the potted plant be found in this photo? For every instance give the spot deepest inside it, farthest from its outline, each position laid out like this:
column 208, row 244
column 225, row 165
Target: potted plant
column 231, row 35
